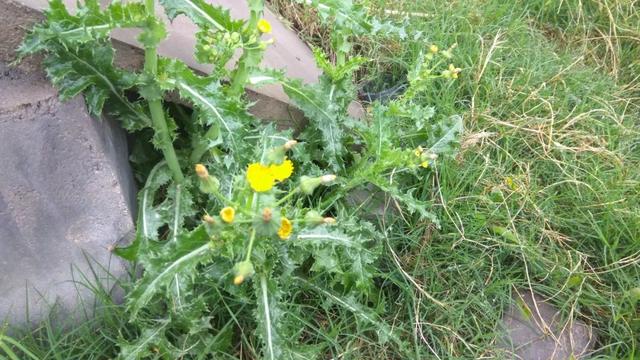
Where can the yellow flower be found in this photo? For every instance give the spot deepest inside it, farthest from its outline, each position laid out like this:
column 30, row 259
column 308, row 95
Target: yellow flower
column 418, row 151
column 424, row 164
column 227, row 214
column 264, row 26
column 260, row 177
column 283, row 171
column 454, row 71
column 286, row 227
column 433, row 49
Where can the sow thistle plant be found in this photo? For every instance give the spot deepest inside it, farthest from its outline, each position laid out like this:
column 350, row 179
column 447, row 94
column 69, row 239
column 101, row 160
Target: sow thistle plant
column 240, row 228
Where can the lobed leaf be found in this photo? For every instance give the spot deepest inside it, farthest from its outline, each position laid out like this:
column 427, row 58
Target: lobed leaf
column 202, row 14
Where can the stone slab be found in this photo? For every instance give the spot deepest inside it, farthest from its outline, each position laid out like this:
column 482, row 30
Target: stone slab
column 66, row 196
column 535, row 330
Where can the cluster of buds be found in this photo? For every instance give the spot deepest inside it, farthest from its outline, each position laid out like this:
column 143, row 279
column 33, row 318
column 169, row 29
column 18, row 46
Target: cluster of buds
column 217, row 46
column 425, row 158
column 268, row 221
column 452, row 72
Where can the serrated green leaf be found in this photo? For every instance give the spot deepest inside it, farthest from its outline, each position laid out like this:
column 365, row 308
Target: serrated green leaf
column 348, row 256
column 448, row 135
column 154, row 32
column 151, row 342
column 179, row 257
column 207, row 96
column 203, row 14
column 385, row 332
column 410, row 202
column 90, row 68
column 89, row 24
column 267, row 316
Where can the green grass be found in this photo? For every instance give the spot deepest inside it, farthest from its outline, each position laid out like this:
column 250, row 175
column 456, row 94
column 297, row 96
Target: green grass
column 549, row 95
column 545, row 193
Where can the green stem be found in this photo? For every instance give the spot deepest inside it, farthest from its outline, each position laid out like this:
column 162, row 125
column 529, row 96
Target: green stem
column 251, row 57
column 251, row 241
column 341, row 56
column 288, row 196
column 155, row 107
column 201, row 148
column 340, row 193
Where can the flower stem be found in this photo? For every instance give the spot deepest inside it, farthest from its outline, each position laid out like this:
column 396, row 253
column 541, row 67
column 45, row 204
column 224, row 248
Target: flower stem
column 288, row 196
column 252, row 239
column 155, row 107
column 251, row 57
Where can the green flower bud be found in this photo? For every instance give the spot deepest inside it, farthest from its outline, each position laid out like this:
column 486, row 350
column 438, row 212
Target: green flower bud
column 309, row 184
column 209, row 185
column 242, row 270
column 313, row 217
column 267, row 223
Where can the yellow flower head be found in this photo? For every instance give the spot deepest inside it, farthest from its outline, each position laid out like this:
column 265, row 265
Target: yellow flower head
column 283, row 171
column 286, row 227
column 264, row 26
column 227, row 214
column 433, row 49
column 418, row 151
column 424, row 164
column 260, row 177
column 454, row 71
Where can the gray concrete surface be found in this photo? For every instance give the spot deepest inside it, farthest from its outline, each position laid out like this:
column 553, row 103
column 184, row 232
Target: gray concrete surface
column 66, row 196
column 535, row 330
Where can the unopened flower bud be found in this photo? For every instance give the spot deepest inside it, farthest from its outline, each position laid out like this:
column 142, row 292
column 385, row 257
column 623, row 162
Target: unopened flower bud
column 209, row 219
column 243, row 270
column 201, row 171
column 267, row 214
column 208, row 184
column 327, row 179
column 309, row 184
column 290, row 144
column 314, row 218
column 329, row 221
